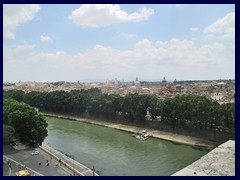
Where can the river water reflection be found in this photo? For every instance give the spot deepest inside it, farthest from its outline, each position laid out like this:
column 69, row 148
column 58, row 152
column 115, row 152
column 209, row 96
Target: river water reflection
column 114, row 152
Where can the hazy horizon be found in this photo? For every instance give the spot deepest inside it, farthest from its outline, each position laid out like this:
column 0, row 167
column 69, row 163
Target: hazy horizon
column 90, row 42
column 120, row 80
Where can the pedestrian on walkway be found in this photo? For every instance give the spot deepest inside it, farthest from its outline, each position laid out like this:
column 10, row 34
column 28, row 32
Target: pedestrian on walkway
column 60, row 161
column 39, row 164
column 18, row 166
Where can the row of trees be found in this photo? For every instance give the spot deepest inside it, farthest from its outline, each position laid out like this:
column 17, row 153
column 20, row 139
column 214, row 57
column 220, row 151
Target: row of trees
column 198, row 112
column 182, row 111
column 22, row 122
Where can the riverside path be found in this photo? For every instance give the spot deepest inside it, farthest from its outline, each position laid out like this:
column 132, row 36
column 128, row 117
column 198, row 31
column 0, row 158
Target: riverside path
column 20, row 157
column 76, row 167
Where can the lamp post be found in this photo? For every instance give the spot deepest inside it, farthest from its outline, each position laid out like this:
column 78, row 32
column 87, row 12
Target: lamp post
column 50, row 151
column 93, row 170
column 73, row 165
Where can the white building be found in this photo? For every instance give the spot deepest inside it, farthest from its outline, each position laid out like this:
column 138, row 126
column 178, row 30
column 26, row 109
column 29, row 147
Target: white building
column 217, row 96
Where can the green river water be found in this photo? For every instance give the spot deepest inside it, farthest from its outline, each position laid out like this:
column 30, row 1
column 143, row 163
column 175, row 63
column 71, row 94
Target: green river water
column 115, row 152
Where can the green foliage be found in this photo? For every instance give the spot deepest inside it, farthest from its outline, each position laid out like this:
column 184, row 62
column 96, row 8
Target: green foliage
column 8, row 134
column 179, row 112
column 197, row 112
column 18, row 95
column 29, row 125
column 135, row 106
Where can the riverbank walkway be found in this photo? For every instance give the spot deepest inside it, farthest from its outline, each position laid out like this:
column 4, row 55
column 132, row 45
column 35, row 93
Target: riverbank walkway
column 218, row 162
column 14, row 167
column 20, row 157
column 64, row 161
column 45, row 163
column 176, row 138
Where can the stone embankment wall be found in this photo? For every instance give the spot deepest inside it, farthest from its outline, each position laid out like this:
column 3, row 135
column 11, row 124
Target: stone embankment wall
column 218, row 162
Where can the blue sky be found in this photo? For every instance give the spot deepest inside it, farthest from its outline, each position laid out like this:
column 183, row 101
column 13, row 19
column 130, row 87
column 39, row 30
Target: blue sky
column 100, row 42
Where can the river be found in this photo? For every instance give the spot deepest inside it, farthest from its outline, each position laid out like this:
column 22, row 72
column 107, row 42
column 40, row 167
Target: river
column 117, row 153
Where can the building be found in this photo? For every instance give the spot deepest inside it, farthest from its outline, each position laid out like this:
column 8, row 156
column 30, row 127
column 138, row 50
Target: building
column 164, row 80
column 217, row 96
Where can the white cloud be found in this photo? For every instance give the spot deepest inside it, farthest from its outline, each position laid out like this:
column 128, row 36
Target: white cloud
column 8, row 35
column 45, row 38
column 147, row 58
column 143, row 43
column 212, row 47
column 194, row 39
column 23, row 47
column 193, row 29
column 222, row 28
column 16, row 14
column 18, row 48
column 180, row 44
column 101, row 15
column 127, row 35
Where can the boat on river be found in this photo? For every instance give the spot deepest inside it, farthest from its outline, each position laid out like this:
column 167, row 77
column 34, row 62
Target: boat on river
column 142, row 136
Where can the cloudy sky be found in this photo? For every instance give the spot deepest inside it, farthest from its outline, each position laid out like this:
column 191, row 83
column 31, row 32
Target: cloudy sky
column 100, row 42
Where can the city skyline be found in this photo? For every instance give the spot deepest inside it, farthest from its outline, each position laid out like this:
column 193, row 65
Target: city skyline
column 88, row 42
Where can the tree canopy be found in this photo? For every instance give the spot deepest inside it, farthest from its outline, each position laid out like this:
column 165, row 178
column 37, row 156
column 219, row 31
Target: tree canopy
column 179, row 112
column 29, row 125
column 8, row 134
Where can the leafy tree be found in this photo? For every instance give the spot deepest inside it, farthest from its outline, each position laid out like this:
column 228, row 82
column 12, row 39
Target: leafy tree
column 228, row 117
column 18, row 95
column 8, row 134
column 29, row 125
